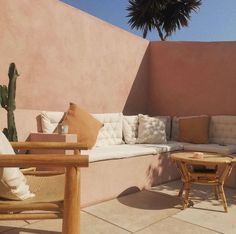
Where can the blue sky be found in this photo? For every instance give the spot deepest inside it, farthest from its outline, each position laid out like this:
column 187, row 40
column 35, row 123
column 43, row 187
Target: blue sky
column 215, row 21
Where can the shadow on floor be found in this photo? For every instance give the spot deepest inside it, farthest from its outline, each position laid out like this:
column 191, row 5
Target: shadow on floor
column 28, row 230
column 149, row 200
column 198, row 193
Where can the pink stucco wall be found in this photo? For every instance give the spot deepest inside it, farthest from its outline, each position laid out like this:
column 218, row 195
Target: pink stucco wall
column 191, row 78
column 64, row 55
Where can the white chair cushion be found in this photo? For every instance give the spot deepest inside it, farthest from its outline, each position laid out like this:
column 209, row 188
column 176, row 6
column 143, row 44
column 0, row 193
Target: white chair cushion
column 50, row 120
column 12, row 182
column 223, row 130
column 151, row 130
column 111, row 132
column 117, row 151
column 215, row 148
column 130, row 129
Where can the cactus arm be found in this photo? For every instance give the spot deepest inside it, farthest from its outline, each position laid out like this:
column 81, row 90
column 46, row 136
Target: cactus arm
column 4, row 96
column 7, row 101
column 11, row 104
column 1, row 95
column 12, row 74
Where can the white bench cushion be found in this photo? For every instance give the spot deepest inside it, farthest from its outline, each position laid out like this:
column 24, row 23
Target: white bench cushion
column 127, row 150
column 117, row 151
column 111, row 132
column 229, row 149
column 223, row 129
column 168, row 147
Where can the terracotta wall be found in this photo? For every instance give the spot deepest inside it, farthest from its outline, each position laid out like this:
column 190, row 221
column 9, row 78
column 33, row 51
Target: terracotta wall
column 64, row 55
column 191, row 78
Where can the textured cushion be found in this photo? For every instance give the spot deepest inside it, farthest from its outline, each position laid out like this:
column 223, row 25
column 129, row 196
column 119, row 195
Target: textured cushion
column 151, row 130
column 130, row 129
column 111, row 132
column 167, row 120
column 223, row 129
column 50, row 120
column 194, row 130
column 215, row 148
column 12, row 183
column 175, row 126
column 83, row 124
column 117, row 151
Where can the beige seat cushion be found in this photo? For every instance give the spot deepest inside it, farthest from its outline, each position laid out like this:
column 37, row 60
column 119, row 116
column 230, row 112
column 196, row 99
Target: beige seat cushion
column 215, row 148
column 194, row 130
column 83, row 124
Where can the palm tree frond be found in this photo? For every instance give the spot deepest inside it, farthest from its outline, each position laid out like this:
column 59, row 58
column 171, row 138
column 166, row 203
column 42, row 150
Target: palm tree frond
column 164, row 15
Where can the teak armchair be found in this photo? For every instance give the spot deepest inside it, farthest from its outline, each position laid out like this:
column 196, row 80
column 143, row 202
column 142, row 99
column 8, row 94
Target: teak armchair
column 52, row 200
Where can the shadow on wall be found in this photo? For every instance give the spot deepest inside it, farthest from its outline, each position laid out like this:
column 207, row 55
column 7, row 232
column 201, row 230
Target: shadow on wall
column 138, row 97
column 162, row 170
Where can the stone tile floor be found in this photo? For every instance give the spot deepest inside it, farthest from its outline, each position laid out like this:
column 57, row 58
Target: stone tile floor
column 146, row 212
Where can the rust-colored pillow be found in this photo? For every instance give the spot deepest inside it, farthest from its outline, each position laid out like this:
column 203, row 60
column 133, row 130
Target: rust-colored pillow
column 83, row 124
column 194, row 130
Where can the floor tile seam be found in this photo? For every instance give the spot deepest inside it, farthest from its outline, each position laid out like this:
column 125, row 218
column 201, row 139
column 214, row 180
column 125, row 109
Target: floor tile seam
column 36, row 221
column 197, row 225
column 13, row 228
column 8, row 230
column 113, row 224
column 159, row 220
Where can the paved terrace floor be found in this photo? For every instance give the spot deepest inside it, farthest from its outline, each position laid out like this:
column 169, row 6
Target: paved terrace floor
column 147, row 212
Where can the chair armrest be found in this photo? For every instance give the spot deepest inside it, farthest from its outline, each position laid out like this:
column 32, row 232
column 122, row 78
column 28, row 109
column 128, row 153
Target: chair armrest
column 30, row 160
column 48, row 145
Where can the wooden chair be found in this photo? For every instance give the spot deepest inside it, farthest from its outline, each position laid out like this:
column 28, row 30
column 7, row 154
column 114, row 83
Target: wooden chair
column 53, row 199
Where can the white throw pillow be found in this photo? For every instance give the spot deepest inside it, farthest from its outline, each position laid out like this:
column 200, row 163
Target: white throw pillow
column 130, row 129
column 12, row 182
column 50, row 120
column 151, row 130
column 111, row 132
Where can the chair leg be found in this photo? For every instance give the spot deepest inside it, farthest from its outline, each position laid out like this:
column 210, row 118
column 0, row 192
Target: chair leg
column 71, row 216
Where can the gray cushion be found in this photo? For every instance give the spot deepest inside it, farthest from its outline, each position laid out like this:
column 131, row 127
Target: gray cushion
column 229, row 149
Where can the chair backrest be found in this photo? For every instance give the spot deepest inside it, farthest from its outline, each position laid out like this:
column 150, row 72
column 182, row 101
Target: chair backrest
column 69, row 210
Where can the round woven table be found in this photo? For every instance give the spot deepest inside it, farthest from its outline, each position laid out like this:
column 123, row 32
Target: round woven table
column 202, row 168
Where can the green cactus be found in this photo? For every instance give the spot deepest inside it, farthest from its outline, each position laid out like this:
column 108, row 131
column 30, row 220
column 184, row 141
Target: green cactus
column 7, row 99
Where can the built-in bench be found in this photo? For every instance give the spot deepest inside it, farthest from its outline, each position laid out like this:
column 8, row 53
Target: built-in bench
column 118, row 165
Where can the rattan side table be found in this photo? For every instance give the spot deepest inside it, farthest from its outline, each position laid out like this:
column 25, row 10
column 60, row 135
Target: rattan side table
column 186, row 161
